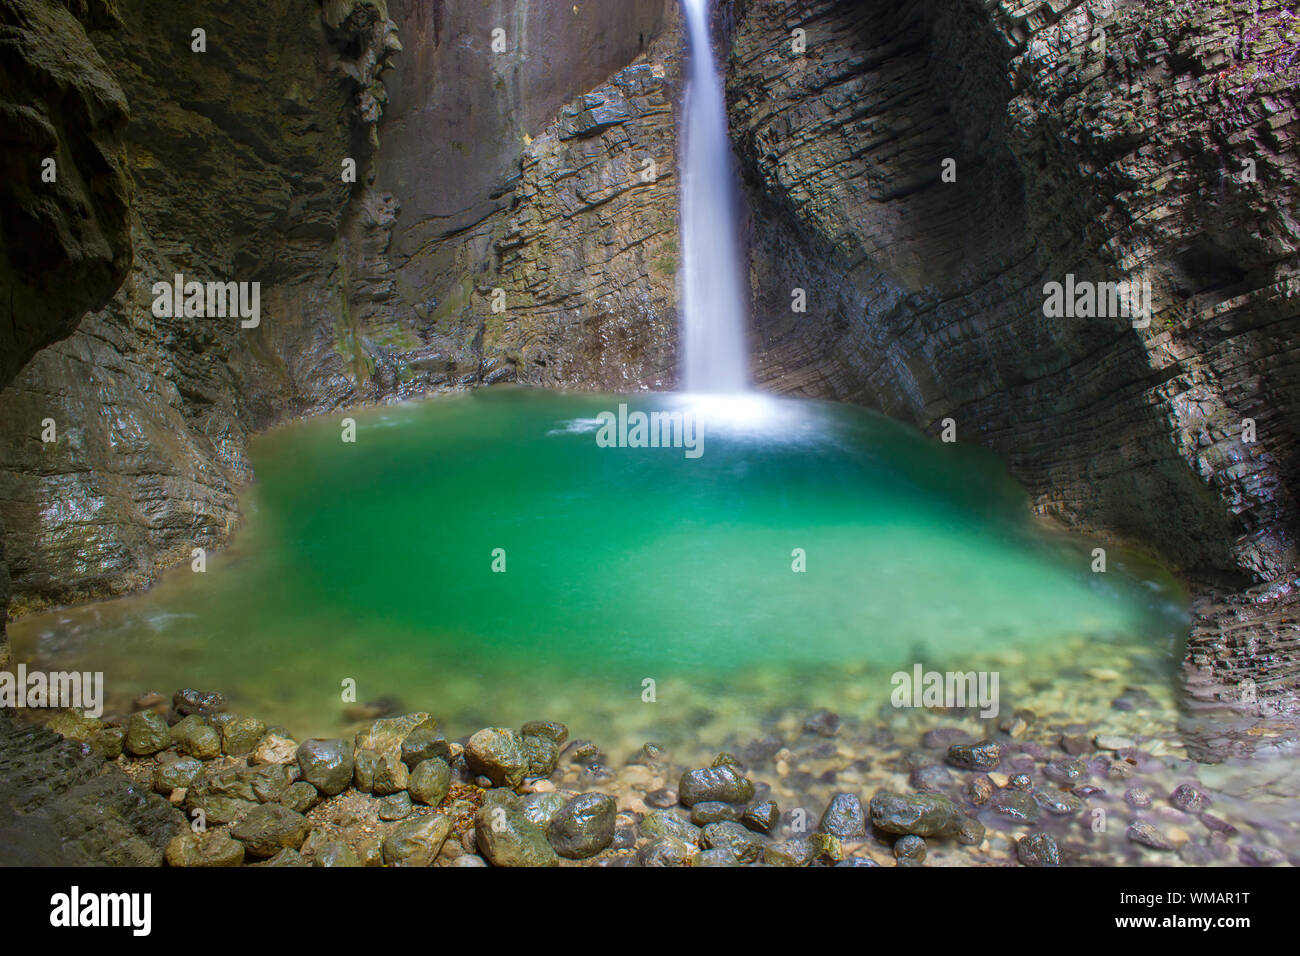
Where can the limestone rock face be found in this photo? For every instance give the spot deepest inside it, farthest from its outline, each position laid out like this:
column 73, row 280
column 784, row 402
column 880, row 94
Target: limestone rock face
column 61, row 804
column 65, row 245
column 236, row 156
column 1110, row 142
column 524, row 204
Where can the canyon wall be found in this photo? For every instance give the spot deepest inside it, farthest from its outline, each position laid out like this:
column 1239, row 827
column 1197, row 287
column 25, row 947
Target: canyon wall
column 1102, row 139
column 542, row 167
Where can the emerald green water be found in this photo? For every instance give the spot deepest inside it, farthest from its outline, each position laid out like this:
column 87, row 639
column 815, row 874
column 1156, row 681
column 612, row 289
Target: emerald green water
column 373, row 561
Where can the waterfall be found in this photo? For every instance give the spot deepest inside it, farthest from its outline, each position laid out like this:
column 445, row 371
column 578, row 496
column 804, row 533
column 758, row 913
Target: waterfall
column 714, row 290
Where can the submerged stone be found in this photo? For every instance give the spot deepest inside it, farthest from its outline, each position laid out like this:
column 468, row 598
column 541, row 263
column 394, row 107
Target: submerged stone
column 922, row 814
column 584, row 826
column 722, row 784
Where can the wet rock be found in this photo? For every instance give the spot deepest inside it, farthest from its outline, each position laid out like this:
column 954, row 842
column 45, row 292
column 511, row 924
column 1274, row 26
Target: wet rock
column 583, row 752
column 910, row 848
column 203, row 703
column 109, row 742
column 300, row 797
column 216, row 808
column 1137, row 798
column 379, row 772
column 274, row 748
column 1255, row 855
column 417, row 841
column 922, row 814
column 584, row 826
column 1077, row 744
column 1217, row 824
column 844, row 817
column 334, row 854
column 983, row 756
column 146, row 734
column 267, row 829
column 722, row 784
column 789, row 853
column 1189, row 799
column 726, row 759
column 396, row 806
column 650, row 755
column 499, row 755
column 823, row 723
column 285, row 857
column 1058, row 803
column 934, row 777
column 1016, row 805
column 1149, row 835
column 669, row 823
column 827, row 846
column 543, row 755
column 1020, row 781
column 663, row 852
column 175, row 774
column 1066, row 771
column 541, row 808
column 425, row 742
column 1135, row 698
column 326, row 764
column 506, row 837
column 760, row 751
column 240, row 736
column 858, row 861
column 662, row 799
column 718, row 856
column 196, row 737
column 761, row 817
column 260, row 784
column 211, row 848
column 370, row 852
column 970, row 832
column 430, row 781
column 980, row 790
column 742, row 843
column 551, row 729
column 1113, row 742
column 702, row 814
column 1038, row 849
column 941, row 738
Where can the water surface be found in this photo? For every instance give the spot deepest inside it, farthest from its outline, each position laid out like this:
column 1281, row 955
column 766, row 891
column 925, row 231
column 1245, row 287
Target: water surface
column 374, row 562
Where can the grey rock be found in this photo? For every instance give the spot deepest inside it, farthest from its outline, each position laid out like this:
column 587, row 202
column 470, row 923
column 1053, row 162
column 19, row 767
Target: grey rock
column 326, row 764
column 584, row 826
column 844, row 817
column 430, row 781
column 722, row 784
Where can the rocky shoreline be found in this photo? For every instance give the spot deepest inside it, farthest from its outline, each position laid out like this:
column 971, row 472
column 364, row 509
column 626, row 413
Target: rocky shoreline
column 207, row 787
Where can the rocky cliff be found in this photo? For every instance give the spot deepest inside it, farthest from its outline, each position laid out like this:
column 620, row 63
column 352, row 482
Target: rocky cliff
column 520, row 226
column 1108, row 141
column 122, row 445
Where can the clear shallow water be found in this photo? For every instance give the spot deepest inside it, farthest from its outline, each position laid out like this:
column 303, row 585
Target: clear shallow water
column 373, row 561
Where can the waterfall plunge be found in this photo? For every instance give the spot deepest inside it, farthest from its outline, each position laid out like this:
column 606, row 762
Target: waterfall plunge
column 714, row 313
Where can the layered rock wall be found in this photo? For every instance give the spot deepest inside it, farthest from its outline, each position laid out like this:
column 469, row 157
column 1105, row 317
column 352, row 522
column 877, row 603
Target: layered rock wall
column 1111, row 141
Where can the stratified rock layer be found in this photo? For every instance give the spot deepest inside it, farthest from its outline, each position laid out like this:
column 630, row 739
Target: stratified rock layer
column 1147, row 141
